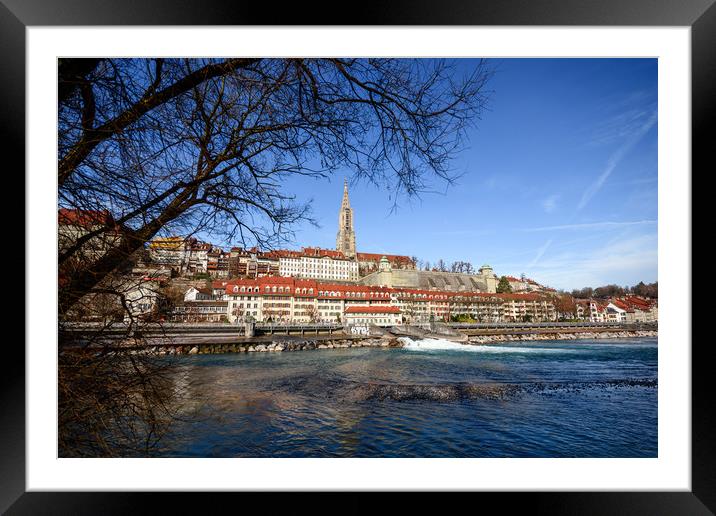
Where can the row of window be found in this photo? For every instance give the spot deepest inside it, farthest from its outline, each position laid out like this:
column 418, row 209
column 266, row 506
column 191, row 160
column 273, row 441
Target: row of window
column 376, row 321
column 214, row 309
column 286, row 290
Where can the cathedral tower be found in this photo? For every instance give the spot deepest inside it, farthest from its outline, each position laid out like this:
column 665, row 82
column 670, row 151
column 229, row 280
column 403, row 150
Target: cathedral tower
column 346, row 238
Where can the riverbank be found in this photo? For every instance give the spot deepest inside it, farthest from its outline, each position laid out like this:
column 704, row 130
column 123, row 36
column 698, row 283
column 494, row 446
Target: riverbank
column 280, row 343
column 486, row 339
column 569, row 398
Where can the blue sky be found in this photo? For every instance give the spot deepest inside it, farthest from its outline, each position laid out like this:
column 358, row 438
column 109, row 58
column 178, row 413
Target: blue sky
column 559, row 181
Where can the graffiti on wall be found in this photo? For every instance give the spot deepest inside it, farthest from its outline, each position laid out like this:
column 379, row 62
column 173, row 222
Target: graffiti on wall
column 360, row 330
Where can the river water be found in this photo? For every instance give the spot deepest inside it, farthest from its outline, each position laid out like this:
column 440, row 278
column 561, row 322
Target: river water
column 432, row 398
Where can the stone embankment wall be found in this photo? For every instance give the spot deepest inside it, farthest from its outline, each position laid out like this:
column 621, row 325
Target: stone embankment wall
column 484, row 339
column 280, row 344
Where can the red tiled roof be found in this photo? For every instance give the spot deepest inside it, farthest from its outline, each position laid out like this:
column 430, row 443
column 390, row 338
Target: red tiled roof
column 375, row 309
column 311, row 252
column 84, row 218
column 375, row 257
column 343, row 291
column 269, row 255
column 317, row 251
column 620, row 304
column 285, row 253
column 638, row 301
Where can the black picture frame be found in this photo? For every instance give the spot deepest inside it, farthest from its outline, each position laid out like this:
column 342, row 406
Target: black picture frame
column 16, row 15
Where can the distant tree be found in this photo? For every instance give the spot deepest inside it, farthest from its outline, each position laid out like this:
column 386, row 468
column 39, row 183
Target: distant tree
column 608, row 291
column 312, row 313
column 462, row 267
column 565, row 305
column 171, row 296
column 650, row 290
column 654, row 290
column 503, row 286
column 584, row 293
column 426, row 266
column 643, row 290
column 441, row 265
column 239, row 313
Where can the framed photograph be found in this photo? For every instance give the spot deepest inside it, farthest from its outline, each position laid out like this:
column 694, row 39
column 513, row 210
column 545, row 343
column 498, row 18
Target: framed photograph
column 419, row 251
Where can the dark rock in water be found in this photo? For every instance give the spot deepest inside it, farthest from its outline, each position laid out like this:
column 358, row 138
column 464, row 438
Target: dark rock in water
column 577, row 387
column 337, row 387
column 438, row 392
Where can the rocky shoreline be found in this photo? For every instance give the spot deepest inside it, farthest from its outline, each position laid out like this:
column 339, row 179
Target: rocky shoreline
column 486, row 339
column 295, row 344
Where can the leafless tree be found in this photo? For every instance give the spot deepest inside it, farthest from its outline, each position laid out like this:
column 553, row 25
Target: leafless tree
column 187, row 145
column 124, row 414
column 312, row 313
column 159, row 147
column 564, row 305
column 462, row 267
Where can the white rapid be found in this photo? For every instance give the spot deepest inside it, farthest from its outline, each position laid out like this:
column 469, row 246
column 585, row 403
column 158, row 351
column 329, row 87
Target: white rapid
column 446, row 345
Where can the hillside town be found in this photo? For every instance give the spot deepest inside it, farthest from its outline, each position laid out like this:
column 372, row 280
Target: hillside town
column 181, row 279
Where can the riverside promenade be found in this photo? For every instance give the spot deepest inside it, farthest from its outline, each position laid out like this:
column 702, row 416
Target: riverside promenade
column 192, row 338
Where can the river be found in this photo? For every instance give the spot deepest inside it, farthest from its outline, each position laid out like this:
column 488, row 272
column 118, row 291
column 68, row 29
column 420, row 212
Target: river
column 432, row 398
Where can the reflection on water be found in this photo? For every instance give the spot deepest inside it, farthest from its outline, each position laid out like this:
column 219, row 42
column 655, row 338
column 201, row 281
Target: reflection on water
column 551, row 399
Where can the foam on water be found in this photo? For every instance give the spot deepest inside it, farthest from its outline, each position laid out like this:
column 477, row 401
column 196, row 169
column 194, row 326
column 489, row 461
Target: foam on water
column 446, row 345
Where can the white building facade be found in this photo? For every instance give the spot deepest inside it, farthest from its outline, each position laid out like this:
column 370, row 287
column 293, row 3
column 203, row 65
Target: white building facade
column 318, row 264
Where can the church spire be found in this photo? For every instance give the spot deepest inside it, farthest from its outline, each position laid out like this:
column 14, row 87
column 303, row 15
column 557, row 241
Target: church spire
column 346, row 237
column 346, row 201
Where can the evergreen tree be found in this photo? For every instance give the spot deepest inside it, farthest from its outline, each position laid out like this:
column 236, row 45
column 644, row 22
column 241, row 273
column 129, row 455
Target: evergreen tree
column 504, row 286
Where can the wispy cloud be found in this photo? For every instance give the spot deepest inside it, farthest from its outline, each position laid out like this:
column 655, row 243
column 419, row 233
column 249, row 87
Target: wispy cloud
column 619, row 262
column 633, row 138
column 550, row 203
column 540, row 253
column 624, row 115
column 592, row 225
